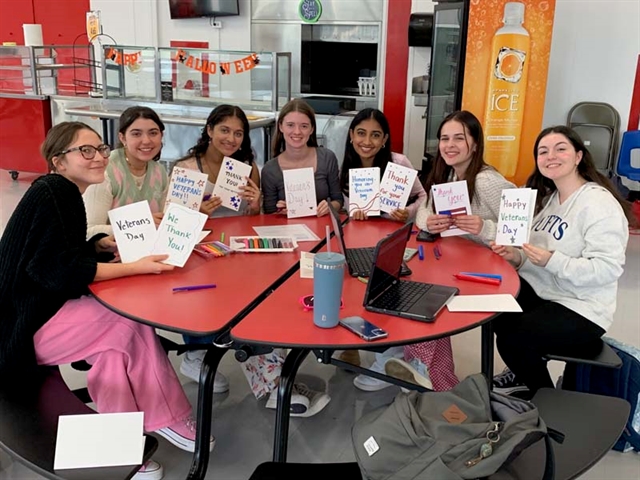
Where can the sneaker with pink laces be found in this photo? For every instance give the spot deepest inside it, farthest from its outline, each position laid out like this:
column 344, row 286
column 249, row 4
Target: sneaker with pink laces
column 183, row 435
column 149, row 471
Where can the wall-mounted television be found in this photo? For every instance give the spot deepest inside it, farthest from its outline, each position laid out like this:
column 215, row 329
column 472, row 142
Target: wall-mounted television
column 203, row 8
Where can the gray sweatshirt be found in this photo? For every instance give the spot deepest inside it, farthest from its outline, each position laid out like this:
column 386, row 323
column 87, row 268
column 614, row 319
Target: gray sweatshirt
column 588, row 236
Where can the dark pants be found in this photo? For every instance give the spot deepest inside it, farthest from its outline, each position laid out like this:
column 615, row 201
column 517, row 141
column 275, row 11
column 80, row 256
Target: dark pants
column 543, row 327
column 190, row 340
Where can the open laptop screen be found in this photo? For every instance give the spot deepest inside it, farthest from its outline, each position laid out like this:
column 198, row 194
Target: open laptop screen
column 388, row 261
column 337, row 227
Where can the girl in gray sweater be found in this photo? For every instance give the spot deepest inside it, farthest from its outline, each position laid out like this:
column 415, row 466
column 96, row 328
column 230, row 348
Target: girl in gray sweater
column 569, row 270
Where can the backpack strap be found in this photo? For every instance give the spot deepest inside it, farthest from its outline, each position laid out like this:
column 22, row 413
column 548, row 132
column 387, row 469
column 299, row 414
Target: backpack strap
column 550, row 462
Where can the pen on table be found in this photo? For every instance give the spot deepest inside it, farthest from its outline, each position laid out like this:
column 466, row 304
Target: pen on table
column 436, row 253
column 222, row 237
column 485, row 275
column 193, row 287
column 414, row 232
column 363, row 280
column 471, row 278
column 420, row 252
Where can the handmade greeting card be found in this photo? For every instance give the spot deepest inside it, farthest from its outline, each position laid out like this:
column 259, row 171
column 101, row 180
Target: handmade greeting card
column 186, row 188
column 134, row 230
column 517, row 206
column 395, row 187
column 232, row 176
column 451, row 199
column 178, row 233
column 364, row 190
column 300, row 192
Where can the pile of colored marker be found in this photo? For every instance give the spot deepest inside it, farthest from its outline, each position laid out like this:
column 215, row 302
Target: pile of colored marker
column 486, row 278
column 262, row 244
column 212, row 249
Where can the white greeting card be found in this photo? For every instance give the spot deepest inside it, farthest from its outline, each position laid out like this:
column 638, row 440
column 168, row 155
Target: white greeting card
column 134, row 230
column 300, row 192
column 451, row 199
column 232, row 176
column 99, row 440
column 178, row 233
column 186, row 188
column 395, row 187
column 364, row 190
column 517, row 206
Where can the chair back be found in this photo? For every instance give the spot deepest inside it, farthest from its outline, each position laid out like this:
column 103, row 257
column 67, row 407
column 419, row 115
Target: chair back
column 629, row 158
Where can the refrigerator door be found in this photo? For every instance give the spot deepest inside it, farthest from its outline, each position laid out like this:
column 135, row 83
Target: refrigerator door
column 447, row 67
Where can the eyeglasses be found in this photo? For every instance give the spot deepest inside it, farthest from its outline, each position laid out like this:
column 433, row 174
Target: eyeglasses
column 307, row 302
column 89, row 151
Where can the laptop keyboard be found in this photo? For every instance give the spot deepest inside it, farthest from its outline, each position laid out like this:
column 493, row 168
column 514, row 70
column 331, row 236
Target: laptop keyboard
column 360, row 259
column 402, row 296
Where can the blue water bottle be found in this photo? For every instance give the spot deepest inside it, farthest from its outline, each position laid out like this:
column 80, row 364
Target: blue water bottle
column 328, row 275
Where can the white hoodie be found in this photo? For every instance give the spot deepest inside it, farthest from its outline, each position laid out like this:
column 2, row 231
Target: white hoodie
column 588, row 236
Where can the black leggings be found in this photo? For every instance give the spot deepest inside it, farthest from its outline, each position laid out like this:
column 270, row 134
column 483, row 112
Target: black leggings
column 543, row 327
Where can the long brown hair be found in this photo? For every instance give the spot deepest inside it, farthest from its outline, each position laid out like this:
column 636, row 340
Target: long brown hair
column 586, row 169
column 440, row 172
column 59, row 138
column 295, row 105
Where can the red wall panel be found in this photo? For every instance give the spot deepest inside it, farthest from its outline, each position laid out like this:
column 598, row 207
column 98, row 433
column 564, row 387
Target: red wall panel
column 397, row 62
column 62, row 20
column 13, row 13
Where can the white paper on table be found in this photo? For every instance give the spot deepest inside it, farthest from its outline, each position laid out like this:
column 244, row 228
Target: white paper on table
column 451, row 199
column 99, row 440
column 364, row 191
column 203, row 235
column 306, row 264
column 300, row 192
column 299, row 231
column 395, row 187
column 134, row 230
column 231, row 177
column 178, row 233
column 517, row 207
column 186, row 188
column 484, row 303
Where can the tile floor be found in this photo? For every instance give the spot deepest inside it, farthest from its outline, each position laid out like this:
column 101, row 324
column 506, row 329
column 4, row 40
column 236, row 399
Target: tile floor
column 244, row 428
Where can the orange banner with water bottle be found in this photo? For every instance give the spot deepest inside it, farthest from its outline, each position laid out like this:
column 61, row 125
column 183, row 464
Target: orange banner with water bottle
column 505, row 78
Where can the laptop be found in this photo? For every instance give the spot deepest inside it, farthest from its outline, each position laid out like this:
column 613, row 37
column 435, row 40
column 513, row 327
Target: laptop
column 359, row 260
column 386, row 293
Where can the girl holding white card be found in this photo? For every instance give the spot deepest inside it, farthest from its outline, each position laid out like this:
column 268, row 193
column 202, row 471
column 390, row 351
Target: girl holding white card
column 296, row 146
column 369, row 145
column 49, row 317
column 461, row 157
column 226, row 134
column 133, row 174
column 569, row 270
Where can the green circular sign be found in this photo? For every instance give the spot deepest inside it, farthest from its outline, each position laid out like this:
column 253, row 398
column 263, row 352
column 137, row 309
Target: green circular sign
column 310, row 10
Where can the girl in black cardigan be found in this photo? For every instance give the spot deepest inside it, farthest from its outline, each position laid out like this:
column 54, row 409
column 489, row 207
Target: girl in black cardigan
column 48, row 317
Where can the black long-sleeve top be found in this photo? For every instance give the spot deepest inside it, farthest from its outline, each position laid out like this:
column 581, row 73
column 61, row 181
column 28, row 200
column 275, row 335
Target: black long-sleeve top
column 45, row 260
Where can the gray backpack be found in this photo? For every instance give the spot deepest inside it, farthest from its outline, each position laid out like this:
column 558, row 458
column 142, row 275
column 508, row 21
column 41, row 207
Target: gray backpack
column 465, row 433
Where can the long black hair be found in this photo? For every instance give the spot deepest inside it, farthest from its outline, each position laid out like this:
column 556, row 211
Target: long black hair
column 440, row 172
column 218, row 115
column 351, row 157
column 586, row 169
column 295, row 105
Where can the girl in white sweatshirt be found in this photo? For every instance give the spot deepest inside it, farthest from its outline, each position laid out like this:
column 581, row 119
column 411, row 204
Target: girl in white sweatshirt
column 569, row 270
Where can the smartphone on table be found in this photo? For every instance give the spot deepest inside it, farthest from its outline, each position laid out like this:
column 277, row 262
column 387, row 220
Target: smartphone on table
column 365, row 330
column 424, row 236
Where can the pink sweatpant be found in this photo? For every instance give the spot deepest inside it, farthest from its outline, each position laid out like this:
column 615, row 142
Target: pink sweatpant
column 438, row 357
column 131, row 371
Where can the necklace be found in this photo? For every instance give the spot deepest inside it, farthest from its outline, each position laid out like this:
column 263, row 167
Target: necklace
column 134, row 170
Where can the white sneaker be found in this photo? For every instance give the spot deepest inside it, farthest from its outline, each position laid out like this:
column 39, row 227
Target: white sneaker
column 304, row 401
column 370, row 384
column 149, row 471
column 413, row 372
column 183, row 435
column 190, row 368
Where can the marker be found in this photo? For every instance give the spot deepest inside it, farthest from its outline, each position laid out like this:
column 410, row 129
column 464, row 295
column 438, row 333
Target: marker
column 414, row 232
column 193, row 287
column 222, row 237
column 471, row 278
column 363, row 280
column 485, row 275
column 436, row 253
column 420, row 252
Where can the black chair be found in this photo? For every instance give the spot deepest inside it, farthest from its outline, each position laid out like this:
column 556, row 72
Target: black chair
column 29, row 426
column 296, row 471
column 606, row 357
